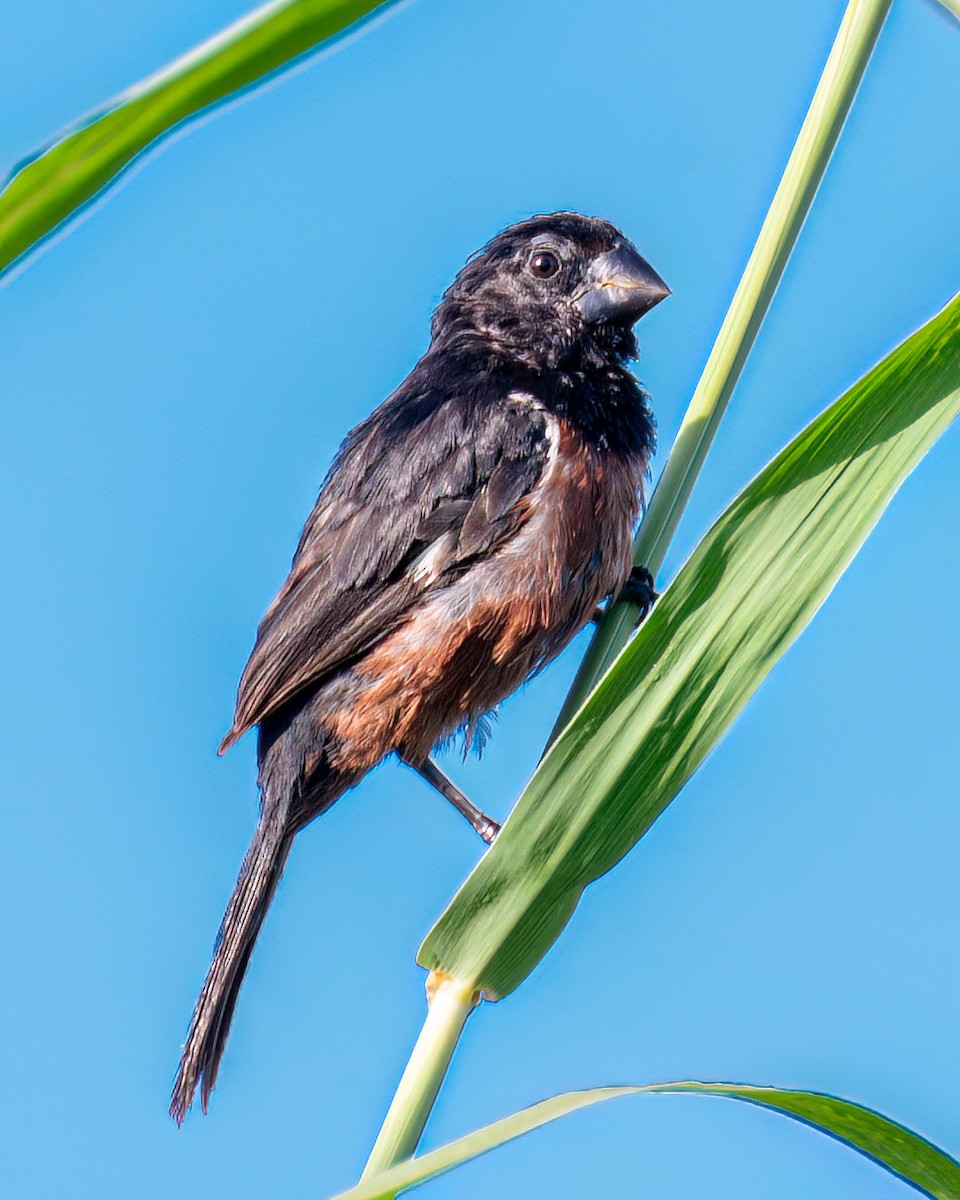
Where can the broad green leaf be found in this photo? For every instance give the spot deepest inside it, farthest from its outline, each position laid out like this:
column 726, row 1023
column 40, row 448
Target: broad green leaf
column 48, row 188
column 747, row 591
column 906, row 1154
column 829, row 108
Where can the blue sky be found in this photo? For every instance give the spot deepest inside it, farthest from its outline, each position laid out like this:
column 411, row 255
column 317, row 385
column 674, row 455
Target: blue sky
column 178, row 371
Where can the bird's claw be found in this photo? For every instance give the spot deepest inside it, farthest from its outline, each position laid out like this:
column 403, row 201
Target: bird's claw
column 488, row 829
column 639, row 590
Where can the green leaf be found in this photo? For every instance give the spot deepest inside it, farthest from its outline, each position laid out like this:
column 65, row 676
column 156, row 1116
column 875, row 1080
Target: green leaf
column 48, row 188
column 829, row 108
column 748, row 590
column 900, row 1151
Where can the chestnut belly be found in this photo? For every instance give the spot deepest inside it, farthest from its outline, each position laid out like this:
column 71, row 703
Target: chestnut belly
column 462, row 652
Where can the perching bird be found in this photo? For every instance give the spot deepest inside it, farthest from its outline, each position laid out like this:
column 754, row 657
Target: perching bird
column 465, row 532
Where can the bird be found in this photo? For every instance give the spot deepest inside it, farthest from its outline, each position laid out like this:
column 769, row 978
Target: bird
column 465, row 532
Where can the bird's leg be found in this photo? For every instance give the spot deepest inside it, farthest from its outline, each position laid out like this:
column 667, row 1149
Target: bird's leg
column 639, row 590
column 486, row 826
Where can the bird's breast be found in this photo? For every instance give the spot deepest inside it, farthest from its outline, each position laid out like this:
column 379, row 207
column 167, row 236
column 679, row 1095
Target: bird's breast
column 575, row 547
column 473, row 642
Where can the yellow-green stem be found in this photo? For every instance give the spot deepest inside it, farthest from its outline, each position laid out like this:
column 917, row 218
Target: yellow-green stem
column 450, row 1003
column 818, row 135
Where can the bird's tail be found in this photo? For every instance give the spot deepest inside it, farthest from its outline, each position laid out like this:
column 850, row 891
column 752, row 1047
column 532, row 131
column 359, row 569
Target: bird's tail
column 248, row 906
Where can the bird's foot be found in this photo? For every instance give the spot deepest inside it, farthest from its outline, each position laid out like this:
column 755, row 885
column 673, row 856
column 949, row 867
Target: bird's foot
column 485, row 826
column 639, row 590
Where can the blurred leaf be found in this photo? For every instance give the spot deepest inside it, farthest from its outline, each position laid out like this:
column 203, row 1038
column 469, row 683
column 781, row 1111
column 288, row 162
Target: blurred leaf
column 747, row 591
column 900, row 1151
column 48, row 188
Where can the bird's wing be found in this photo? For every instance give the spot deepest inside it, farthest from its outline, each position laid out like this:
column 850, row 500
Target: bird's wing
column 419, row 491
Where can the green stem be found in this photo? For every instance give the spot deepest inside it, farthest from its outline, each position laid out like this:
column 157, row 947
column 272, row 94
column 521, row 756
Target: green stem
column 818, row 135
column 450, row 1003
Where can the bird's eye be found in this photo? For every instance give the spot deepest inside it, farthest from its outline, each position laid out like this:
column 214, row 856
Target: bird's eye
column 544, row 264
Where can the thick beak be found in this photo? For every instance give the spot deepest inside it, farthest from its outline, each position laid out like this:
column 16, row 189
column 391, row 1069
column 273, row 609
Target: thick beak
column 620, row 287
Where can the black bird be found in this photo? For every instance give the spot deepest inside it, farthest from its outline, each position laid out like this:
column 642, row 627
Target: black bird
column 465, row 532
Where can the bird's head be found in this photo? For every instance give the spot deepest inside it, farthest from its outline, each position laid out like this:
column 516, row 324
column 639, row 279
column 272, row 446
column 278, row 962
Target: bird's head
column 549, row 293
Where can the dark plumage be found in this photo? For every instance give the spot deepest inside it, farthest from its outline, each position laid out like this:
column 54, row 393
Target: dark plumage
column 465, row 532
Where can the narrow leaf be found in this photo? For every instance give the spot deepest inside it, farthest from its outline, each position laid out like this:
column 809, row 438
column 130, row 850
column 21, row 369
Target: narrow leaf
column 748, row 590
column 829, row 108
column 49, row 187
column 897, row 1149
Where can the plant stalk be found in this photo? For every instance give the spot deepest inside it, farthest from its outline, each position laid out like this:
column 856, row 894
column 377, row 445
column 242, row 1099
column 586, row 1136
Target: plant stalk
column 450, row 1003
column 818, row 135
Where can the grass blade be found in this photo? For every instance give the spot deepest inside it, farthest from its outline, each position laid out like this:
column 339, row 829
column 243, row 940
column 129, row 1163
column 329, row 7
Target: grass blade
column 747, row 591
column 808, row 160
column 897, row 1149
column 53, row 185
column 788, row 210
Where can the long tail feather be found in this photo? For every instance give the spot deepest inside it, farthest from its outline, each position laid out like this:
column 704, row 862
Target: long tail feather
column 248, row 906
